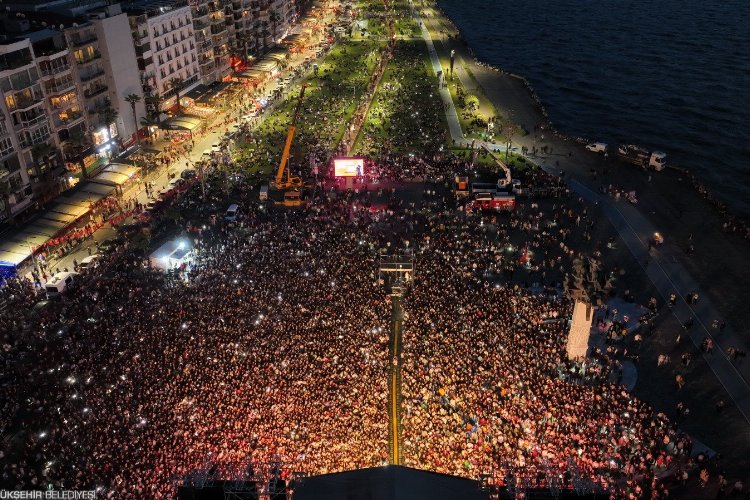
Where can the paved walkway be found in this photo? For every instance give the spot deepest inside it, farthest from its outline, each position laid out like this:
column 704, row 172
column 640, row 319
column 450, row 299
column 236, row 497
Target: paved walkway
column 453, row 124
column 663, row 269
column 668, row 276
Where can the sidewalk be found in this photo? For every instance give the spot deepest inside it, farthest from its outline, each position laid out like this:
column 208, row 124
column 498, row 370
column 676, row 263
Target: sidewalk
column 668, row 276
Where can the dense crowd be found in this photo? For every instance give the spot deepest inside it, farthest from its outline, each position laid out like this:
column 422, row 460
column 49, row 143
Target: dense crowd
column 275, row 344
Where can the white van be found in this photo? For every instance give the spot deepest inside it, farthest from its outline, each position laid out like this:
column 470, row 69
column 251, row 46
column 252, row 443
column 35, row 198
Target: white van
column 89, row 262
column 231, row 214
column 263, row 192
column 59, row 282
column 597, row 147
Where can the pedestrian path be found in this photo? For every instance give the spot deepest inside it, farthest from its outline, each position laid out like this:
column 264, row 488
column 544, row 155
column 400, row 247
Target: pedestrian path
column 454, row 126
column 668, row 276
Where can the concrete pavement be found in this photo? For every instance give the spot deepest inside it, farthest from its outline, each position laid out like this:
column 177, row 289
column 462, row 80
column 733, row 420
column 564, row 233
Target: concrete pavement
column 668, row 276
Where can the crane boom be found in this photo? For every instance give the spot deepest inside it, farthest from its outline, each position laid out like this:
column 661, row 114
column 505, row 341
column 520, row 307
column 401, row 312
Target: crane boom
column 290, row 181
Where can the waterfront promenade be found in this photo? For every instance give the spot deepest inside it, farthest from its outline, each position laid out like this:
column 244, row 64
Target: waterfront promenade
column 663, row 267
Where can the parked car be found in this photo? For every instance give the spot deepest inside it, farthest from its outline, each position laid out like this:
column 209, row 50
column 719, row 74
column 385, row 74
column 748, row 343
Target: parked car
column 597, row 147
column 89, row 262
column 187, row 174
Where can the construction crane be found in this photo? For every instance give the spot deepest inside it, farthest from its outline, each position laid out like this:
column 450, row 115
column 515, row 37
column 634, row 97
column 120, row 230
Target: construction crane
column 289, row 182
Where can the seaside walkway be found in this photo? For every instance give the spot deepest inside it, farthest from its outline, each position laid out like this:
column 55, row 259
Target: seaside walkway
column 668, row 276
column 454, row 126
column 662, row 268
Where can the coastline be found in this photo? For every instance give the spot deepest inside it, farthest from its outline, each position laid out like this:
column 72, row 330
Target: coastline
column 738, row 221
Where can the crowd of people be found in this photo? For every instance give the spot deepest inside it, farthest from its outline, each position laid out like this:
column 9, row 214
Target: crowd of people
column 276, row 345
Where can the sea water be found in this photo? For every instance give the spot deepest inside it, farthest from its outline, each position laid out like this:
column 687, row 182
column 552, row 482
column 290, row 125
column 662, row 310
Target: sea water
column 672, row 75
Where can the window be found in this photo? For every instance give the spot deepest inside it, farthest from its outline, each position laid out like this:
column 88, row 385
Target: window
column 6, row 147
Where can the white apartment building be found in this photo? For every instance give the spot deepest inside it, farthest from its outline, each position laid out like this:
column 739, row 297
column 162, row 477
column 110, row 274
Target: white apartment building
column 165, row 47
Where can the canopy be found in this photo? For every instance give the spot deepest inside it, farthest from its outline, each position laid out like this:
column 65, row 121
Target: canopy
column 59, row 217
column 278, row 54
column 197, row 92
column 122, row 168
column 76, row 210
column 267, row 65
column 13, row 257
column 254, row 74
column 181, row 123
column 111, row 178
column 47, row 228
column 97, row 189
column 83, row 198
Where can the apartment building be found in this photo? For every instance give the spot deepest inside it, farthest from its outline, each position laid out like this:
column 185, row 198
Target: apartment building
column 165, row 48
column 23, row 124
column 64, row 84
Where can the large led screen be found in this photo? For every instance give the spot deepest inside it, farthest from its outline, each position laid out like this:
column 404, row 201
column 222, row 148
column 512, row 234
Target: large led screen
column 348, row 167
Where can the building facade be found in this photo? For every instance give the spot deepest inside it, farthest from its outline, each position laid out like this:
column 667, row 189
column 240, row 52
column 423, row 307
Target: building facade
column 165, row 48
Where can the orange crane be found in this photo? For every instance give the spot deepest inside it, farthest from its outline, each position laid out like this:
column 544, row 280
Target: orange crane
column 289, row 182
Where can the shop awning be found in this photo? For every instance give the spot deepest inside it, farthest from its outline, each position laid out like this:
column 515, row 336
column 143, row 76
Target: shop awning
column 74, row 210
column 197, row 92
column 181, row 123
column 58, row 217
column 97, row 189
column 46, row 228
column 28, row 240
column 13, row 257
column 111, row 179
column 278, row 55
column 81, row 198
column 254, row 74
column 122, row 168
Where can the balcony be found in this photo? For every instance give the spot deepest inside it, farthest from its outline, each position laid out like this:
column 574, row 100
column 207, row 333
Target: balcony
column 90, row 76
column 30, row 142
column 83, row 40
column 72, row 118
column 29, row 122
column 199, row 12
column 89, row 93
column 96, row 55
column 55, row 71
column 60, row 86
column 25, row 102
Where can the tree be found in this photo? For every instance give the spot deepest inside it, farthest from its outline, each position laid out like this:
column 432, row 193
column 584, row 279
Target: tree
column 508, row 131
column 177, row 84
column 154, row 102
column 264, row 34
column 5, row 192
column 78, row 141
column 134, row 99
column 275, row 17
column 107, row 114
column 257, row 29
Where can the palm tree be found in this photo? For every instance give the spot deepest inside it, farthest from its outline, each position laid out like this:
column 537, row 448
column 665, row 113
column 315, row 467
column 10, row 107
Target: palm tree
column 134, row 99
column 275, row 17
column 257, row 29
column 78, row 142
column 5, row 192
column 176, row 83
column 107, row 114
column 264, row 33
column 154, row 101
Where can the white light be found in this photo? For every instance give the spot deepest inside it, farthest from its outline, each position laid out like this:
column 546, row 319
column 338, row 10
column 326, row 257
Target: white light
column 42, row 435
column 181, row 245
column 184, row 326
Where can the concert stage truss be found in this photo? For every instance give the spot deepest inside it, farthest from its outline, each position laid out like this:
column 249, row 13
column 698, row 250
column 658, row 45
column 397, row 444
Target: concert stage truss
column 243, row 480
column 396, row 271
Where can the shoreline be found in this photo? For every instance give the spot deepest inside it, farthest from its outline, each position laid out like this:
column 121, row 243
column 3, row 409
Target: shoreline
column 732, row 217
